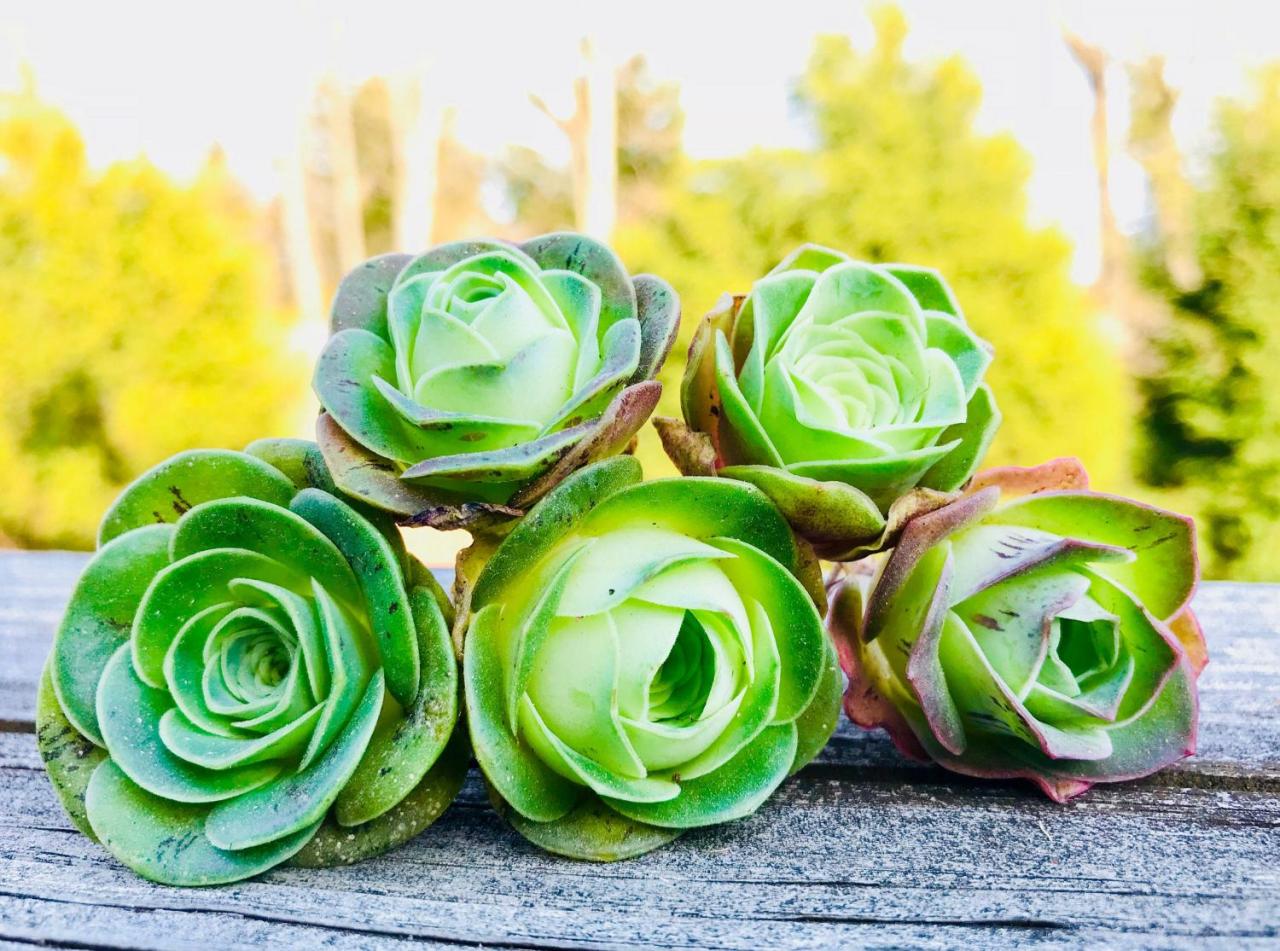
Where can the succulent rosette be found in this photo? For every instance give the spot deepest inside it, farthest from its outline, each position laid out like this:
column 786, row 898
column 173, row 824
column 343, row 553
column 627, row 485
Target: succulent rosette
column 644, row 658
column 838, row 387
column 250, row 671
column 459, row 386
column 1030, row 629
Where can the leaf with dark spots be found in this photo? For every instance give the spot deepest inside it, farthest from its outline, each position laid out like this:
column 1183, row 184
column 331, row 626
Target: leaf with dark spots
column 180, row 504
column 469, row 515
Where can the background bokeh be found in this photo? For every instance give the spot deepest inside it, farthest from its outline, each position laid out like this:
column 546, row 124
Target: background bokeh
column 180, row 193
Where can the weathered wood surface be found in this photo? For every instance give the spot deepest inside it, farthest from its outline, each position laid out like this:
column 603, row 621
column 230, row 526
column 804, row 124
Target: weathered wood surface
column 861, row 849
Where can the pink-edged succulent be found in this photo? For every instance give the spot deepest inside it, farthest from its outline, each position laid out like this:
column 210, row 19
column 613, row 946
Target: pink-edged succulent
column 1030, row 629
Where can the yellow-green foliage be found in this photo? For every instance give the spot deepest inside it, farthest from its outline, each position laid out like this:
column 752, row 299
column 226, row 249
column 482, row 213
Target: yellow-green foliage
column 136, row 319
column 1212, row 413
column 898, row 173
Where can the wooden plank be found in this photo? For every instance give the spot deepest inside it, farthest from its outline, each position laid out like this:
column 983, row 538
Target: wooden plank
column 34, row 587
column 830, row 861
column 862, row 848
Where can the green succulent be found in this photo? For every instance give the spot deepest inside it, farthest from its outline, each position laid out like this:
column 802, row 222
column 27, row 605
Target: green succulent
column 250, row 671
column 461, row 385
column 838, row 387
column 1030, row 629
column 643, row 658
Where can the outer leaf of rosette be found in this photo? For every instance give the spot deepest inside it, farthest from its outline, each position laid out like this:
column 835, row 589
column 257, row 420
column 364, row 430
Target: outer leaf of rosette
column 361, row 300
column 570, row 251
column 335, row 844
column 69, row 756
column 300, row 460
column 975, row 433
column 164, row 841
column 701, row 508
column 1164, row 574
column 531, row 787
column 689, row 450
column 884, row 479
column 591, row 832
column 303, row 463
column 501, row 467
column 699, row 392
column 832, row 516
column 928, row 287
column 818, row 722
column 378, row 571
column 734, row 791
column 555, row 516
column 810, row 257
column 376, row 481
column 406, row 746
column 658, row 307
column 608, row 436
column 99, row 617
column 165, row 492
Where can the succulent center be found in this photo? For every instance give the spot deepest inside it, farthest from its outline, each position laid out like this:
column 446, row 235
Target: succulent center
column 1085, row 647
column 681, row 685
column 475, row 288
column 254, row 662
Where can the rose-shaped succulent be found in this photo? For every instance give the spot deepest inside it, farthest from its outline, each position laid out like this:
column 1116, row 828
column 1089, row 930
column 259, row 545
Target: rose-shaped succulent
column 461, row 385
column 837, row 387
column 642, row 658
column 250, row 670
column 1030, row 629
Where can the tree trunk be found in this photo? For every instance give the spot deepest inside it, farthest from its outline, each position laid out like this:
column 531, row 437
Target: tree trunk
column 592, row 131
column 346, row 196
column 418, row 123
column 599, row 187
column 306, row 282
column 1152, row 143
column 1117, row 290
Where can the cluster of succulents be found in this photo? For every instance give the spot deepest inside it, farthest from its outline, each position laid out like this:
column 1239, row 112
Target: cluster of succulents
column 253, row 671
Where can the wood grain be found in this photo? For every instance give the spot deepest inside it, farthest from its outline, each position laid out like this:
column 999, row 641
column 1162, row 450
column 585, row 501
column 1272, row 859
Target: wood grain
column 862, row 848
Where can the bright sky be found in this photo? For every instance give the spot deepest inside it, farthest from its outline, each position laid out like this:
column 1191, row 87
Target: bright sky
column 169, row 80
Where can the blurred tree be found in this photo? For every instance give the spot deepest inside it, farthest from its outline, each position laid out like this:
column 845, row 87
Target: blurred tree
column 1212, row 408
column 592, row 131
column 138, row 317
column 400, row 138
column 899, row 173
column 373, row 114
column 1152, row 143
column 650, row 127
column 1118, row 292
